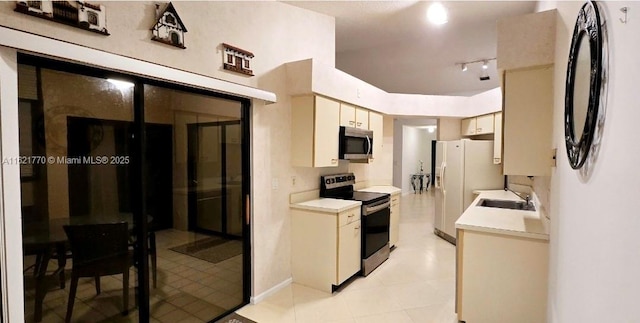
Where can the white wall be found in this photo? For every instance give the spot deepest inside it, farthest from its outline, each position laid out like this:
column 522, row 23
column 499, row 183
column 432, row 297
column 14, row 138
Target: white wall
column 416, row 146
column 595, row 240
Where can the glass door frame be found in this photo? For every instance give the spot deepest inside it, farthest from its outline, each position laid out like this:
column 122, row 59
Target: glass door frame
column 139, row 169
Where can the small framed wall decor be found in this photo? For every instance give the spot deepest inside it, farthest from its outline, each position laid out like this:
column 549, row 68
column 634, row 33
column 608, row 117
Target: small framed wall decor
column 237, row 60
column 169, row 28
column 80, row 14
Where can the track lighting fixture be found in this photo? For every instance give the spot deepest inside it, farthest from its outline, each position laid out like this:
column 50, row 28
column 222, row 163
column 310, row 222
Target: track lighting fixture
column 484, row 75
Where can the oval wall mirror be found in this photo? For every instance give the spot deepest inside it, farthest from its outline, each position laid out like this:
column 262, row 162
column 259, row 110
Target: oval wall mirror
column 584, row 78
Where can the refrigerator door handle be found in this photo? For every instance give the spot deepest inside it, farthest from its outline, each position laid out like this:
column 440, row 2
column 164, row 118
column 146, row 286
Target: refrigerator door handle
column 443, row 170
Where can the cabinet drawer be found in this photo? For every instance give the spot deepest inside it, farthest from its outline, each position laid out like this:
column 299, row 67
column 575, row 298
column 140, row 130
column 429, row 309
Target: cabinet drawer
column 349, row 216
column 395, row 200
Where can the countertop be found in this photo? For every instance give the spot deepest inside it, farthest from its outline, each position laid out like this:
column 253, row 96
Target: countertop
column 326, row 205
column 382, row 189
column 529, row 224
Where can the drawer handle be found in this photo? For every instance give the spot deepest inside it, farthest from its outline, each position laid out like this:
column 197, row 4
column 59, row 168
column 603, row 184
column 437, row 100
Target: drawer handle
column 334, row 161
column 359, row 123
column 351, row 215
column 479, row 129
column 357, row 228
column 351, row 122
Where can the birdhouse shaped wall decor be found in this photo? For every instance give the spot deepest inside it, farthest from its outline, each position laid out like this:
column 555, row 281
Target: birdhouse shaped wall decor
column 237, row 60
column 168, row 28
column 79, row 14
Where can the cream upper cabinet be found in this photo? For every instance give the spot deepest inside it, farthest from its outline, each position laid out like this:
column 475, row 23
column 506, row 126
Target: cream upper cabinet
column 468, row 126
column 528, row 123
column 347, row 115
column 362, row 118
column 497, row 138
column 484, row 124
column 352, row 116
column 315, row 125
column 479, row 125
column 376, row 125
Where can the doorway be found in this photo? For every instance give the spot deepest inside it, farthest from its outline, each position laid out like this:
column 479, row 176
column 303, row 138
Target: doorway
column 215, row 175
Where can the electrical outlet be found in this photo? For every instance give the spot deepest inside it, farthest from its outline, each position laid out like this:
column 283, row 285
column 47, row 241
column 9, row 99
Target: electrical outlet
column 293, row 181
column 274, row 184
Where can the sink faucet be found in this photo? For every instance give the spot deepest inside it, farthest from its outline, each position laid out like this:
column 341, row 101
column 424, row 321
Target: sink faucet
column 526, row 198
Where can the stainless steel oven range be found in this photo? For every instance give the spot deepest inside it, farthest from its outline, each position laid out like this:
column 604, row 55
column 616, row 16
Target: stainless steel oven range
column 375, row 214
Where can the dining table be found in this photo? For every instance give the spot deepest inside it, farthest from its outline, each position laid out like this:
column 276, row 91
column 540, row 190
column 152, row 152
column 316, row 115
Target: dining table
column 47, row 239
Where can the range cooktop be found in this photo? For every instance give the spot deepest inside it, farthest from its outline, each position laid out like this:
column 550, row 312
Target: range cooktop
column 340, row 186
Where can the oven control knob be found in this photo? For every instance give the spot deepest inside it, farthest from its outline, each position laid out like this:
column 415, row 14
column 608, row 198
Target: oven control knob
column 327, row 181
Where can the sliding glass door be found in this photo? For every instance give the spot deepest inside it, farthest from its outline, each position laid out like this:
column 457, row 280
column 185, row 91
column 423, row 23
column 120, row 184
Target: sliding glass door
column 133, row 197
column 200, row 256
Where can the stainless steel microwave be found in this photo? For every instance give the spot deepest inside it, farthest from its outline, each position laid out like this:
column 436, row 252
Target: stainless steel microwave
column 356, row 144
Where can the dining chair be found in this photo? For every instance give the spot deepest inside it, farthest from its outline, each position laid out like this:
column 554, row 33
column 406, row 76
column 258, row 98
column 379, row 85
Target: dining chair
column 99, row 250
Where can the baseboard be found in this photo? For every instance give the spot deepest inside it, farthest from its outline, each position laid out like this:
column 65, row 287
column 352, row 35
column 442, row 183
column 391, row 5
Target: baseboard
column 259, row 298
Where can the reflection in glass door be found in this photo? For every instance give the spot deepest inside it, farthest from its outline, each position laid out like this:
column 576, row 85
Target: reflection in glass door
column 110, row 177
column 200, row 256
column 215, row 176
column 77, row 206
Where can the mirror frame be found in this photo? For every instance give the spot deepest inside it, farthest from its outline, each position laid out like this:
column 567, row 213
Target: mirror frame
column 587, row 26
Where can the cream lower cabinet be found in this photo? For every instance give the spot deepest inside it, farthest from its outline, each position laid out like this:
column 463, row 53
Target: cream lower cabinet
column 394, row 220
column 501, row 278
column 325, row 247
column 315, row 131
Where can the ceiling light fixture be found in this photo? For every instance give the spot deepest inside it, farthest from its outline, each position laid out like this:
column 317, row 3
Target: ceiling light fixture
column 464, row 66
column 437, row 14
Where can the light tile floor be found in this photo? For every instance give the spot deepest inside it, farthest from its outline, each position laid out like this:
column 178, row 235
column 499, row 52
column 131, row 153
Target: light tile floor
column 416, row 284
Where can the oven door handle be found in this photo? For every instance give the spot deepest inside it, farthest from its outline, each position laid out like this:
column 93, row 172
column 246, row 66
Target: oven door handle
column 375, row 208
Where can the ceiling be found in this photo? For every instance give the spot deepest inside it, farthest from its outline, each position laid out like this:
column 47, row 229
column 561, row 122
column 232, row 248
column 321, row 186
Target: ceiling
column 390, row 44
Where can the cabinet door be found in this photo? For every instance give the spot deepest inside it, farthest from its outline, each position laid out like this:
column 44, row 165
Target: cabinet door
column 468, row 127
column 484, row 124
column 326, row 132
column 394, row 221
column 349, row 240
column 362, row 118
column 376, row 125
column 497, row 138
column 347, row 115
column 528, row 124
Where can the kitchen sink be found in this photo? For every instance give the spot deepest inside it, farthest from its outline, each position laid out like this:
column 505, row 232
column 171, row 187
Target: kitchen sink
column 507, row 204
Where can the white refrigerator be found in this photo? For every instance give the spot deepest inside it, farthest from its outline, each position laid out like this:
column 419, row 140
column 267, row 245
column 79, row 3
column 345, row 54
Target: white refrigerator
column 462, row 166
